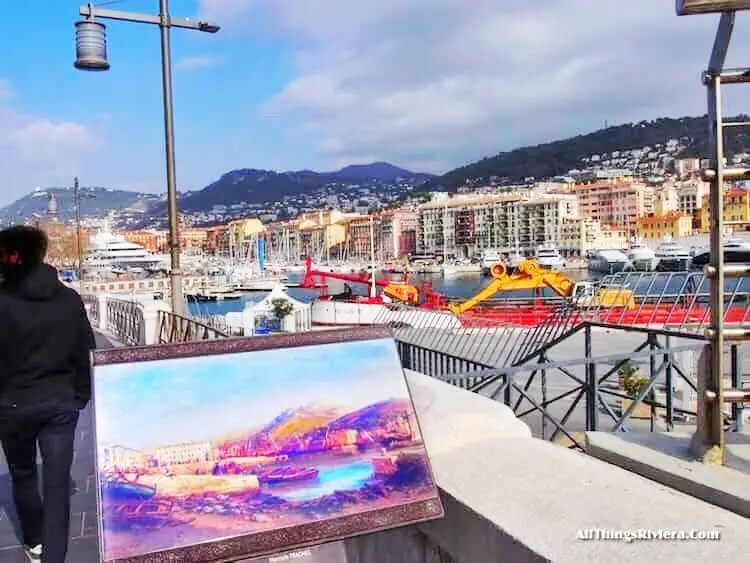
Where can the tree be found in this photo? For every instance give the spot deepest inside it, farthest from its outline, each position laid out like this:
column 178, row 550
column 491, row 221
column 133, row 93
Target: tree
column 281, row 308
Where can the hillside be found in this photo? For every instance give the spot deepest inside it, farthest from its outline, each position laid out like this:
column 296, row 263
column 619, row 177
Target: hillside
column 558, row 157
column 261, row 186
column 94, row 201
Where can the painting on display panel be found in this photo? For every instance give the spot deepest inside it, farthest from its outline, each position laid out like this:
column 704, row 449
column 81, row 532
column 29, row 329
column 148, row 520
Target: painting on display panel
column 254, row 447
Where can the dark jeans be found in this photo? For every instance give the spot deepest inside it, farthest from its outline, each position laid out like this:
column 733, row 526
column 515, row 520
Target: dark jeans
column 52, row 426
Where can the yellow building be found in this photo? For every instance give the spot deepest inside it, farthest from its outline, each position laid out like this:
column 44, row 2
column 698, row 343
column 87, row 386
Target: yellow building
column 120, row 458
column 673, row 224
column 736, row 208
column 582, row 235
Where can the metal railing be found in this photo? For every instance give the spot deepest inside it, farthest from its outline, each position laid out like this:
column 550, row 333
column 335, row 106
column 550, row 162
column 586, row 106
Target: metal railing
column 92, row 308
column 174, row 328
column 568, row 396
column 125, row 321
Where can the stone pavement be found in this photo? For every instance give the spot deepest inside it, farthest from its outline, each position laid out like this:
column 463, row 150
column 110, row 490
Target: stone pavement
column 84, row 541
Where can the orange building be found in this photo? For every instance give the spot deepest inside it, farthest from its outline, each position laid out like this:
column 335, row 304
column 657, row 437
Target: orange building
column 217, row 238
column 151, row 240
column 193, row 237
column 617, row 204
column 673, row 224
column 736, row 208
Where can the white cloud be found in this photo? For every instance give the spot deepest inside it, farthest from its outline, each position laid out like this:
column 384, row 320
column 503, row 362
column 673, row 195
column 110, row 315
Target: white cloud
column 39, row 151
column 441, row 82
column 196, row 62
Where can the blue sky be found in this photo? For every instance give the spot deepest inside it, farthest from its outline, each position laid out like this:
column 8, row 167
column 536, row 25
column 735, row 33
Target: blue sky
column 289, row 84
column 159, row 403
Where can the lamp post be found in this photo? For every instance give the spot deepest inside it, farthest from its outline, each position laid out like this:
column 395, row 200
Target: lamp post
column 77, row 196
column 709, row 441
column 91, row 54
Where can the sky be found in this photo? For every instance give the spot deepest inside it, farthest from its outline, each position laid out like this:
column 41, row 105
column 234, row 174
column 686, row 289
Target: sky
column 145, row 404
column 286, row 84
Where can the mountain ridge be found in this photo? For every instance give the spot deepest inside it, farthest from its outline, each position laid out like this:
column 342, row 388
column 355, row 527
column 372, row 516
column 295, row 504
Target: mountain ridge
column 547, row 160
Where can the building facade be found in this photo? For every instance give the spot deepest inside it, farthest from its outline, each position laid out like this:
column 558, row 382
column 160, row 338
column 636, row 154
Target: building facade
column 670, row 225
column 464, row 226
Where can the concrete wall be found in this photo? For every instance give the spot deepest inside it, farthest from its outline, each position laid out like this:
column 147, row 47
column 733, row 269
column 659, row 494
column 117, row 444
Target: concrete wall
column 510, row 497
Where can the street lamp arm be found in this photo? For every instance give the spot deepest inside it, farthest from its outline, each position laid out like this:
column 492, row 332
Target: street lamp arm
column 88, row 11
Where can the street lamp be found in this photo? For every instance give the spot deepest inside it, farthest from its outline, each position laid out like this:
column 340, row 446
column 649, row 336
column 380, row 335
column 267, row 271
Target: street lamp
column 708, row 442
column 694, row 7
column 91, row 54
column 77, row 196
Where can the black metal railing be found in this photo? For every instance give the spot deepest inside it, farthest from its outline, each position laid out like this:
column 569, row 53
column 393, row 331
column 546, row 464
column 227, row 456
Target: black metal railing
column 174, row 328
column 560, row 398
column 125, row 321
column 92, row 307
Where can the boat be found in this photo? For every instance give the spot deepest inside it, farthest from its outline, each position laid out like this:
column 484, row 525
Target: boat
column 212, row 295
column 121, row 490
column 672, row 257
column 609, row 261
column 514, row 260
column 489, row 258
column 549, row 257
column 642, row 257
column 287, row 474
column 736, row 251
column 461, row 268
column 110, row 252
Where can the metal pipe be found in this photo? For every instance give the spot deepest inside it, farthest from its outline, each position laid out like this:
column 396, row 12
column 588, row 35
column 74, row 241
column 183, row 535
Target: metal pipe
column 178, row 299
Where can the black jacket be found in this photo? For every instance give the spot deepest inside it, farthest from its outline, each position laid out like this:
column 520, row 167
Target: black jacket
column 45, row 341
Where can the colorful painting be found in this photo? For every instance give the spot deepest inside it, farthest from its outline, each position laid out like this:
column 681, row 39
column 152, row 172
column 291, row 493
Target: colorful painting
column 219, row 449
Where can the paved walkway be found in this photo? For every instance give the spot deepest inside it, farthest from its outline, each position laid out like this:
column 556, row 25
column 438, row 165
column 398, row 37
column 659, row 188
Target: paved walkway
column 84, row 542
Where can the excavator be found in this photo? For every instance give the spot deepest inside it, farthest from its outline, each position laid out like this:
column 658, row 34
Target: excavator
column 530, row 275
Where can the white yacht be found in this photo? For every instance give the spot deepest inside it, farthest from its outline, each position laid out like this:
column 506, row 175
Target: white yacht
column 642, row 257
column 609, row 261
column 549, row 257
column 736, row 251
column 490, row 257
column 112, row 252
column 461, row 268
column 672, row 257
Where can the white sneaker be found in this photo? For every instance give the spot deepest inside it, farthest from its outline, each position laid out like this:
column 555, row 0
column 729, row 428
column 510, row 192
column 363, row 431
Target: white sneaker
column 34, row 553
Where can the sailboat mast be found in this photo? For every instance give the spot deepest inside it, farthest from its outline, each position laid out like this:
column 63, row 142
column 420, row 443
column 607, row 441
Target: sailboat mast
column 445, row 233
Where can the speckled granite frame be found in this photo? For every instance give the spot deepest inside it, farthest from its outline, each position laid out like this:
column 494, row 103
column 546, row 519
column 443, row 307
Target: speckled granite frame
column 273, row 541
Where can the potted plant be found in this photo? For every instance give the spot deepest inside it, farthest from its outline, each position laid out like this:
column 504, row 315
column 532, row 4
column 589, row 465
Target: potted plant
column 633, row 383
column 281, row 308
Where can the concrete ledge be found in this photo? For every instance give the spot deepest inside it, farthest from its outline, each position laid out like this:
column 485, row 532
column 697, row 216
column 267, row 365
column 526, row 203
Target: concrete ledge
column 452, row 416
column 509, row 497
column 665, row 458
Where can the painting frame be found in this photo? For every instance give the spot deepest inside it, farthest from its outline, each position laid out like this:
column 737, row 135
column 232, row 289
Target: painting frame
column 270, row 542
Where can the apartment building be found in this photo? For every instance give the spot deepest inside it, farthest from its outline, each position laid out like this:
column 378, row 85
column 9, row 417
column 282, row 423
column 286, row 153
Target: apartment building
column 463, row 226
column 582, row 235
column 690, row 196
column 399, row 232
column 736, row 208
column 673, row 224
column 179, row 454
column 615, row 204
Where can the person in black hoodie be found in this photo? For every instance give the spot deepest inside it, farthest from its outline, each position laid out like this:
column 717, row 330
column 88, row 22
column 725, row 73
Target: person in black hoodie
column 45, row 380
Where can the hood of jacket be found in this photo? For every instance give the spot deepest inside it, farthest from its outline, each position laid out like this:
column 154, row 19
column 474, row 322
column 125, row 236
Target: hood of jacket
column 40, row 284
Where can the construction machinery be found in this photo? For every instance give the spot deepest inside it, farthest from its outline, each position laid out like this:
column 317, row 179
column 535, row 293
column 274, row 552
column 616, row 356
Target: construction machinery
column 400, row 291
column 529, row 275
